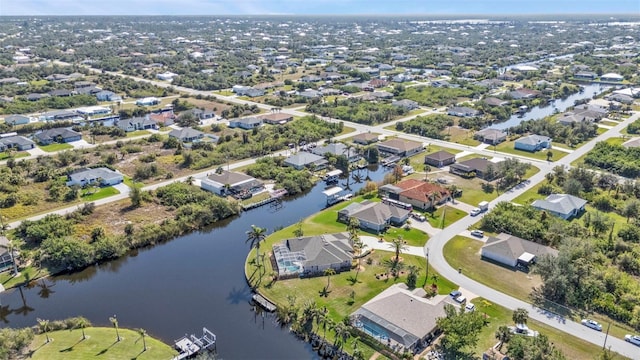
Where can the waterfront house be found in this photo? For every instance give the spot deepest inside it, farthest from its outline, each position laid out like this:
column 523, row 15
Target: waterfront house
column 513, row 251
column 400, row 147
column 562, row 205
column 491, row 136
column 365, row 138
column 419, row 194
column 374, row 216
column 230, row 182
column 102, row 176
column 337, row 149
column 440, row 158
column 303, row 159
column 532, row 143
column 462, row 111
column 312, row 255
column 6, row 259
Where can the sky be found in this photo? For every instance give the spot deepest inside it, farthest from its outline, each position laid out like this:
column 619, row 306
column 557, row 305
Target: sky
column 314, row 7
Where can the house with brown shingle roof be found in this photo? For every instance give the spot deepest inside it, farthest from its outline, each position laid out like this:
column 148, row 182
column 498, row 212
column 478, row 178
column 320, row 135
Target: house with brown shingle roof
column 400, row 147
column 365, row 138
column 440, row 158
column 421, row 194
column 276, row 118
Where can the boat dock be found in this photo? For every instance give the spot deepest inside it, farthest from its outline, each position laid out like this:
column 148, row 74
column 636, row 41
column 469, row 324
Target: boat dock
column 264, row 303
column 275, row 196
column 189, row 346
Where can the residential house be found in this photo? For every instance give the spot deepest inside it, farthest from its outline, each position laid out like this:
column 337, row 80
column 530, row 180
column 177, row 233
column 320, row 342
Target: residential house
column 106, row 95
column 166, row 76
column 337, row 149
column 93, row 110
column 135, row 124
column 611, row 77
column 312, row 255
column 472, row 74
column 533, row 143
column 310, row 94
column 374, row 216
column 478, row 167
column 585, row 75
column 17, row 119
column 148, row 101
column 440, row 158
column 492, row 101
column 420, row 194
column 522, row 93
column 400, row 147
column 513, row 251
column 491, row 136
column 58, row 115
column 60, row 135
column 200, row 113
column 164, row 118
column 406, row 103
column 247, row 91
column 247, row 123
column 61, row 93
column 303, row 159
column 36, row 96
column 228, row 183
column 562, row 205
column 383, row 95
column 103, row 176
column 462, row 111
column 6, row 258
column 187, row 135
column 403, row 319
column 15, row 142
column 276, row 118
column 569, row 118
column 365, row 138
column 622, row 98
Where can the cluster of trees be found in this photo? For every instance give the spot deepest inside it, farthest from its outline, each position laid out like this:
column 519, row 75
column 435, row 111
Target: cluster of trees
column 435, row 96
column 356, row 110
column 272, row 168
column 634, row 127
column 131, row 87
column 617, row 159
column 23, row 106
column 429, row 126
column 238, row 110
column 570, row 135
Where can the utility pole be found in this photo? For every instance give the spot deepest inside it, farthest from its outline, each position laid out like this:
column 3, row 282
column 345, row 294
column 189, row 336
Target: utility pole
column 606, row 336
column 426, row 255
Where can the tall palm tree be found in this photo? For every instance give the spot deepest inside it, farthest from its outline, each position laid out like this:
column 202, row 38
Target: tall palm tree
column 520, row 316
column 114, row 321
column 341, row 331
column 44, row 327
column 357, row 353
column 255, row 237
column 503, row 335
column 143, row 333
column 82, row 323
column 398, row 246
column 328, row 272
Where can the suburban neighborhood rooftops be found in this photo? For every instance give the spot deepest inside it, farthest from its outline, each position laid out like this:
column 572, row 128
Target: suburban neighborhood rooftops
column 441, row 155
column 560, row 203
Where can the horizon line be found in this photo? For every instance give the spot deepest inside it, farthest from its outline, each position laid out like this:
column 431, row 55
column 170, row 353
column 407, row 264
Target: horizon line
column 341, row 15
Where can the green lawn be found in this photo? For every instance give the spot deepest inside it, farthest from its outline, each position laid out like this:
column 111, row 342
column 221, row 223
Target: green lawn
column 55, row 147
column 612, row 141
column 100, row 344
column 15, row 155
column 530, row 195
column 347, row 130
column 461, row 136
column 451, row 215
column 100, row 194
column 413, row 237
column 138, row 133
column 29, row 273
column 508, row 147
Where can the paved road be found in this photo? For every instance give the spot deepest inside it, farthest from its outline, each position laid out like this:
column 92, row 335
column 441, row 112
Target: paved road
column 436, row 259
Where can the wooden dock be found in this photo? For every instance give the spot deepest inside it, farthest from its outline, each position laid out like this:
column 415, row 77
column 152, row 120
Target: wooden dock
column 274, row 197
column 264, row 303
column 190, row 346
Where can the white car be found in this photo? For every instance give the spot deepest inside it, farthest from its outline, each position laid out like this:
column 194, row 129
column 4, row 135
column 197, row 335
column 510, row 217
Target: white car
column 469, row 307
column 634, row 339
column 460, row 299
column 419, row 217
column 523, row 329
column 475, row 212
column 592, row 324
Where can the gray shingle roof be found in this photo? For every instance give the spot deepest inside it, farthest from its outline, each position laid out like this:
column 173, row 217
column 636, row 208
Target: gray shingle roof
column 533, row 139
column 560, row 203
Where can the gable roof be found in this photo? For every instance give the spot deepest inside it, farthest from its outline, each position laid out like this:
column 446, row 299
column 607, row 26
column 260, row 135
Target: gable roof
column 420, row 190
column 513, row 247
column 560, row 203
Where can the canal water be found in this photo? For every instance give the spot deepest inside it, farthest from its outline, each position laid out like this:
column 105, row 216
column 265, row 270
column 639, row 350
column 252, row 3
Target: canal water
column 560, row 105
column 179, row 287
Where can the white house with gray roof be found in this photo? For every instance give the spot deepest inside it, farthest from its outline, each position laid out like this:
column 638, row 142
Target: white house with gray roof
column 512, row 251
column 400, row 318
column 303, row 159
column 229, row 182
column 561, row 205
column 374, row 216
column 186, row 134
column 312, row 255
column 103, row 176
column 16, row 142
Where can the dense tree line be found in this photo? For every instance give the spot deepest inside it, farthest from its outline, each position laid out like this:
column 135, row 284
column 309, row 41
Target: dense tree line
column 270, row 168
column 23, row 106
column 356, row 110
column 435, row 96
column 429, row 126
column 617, row 159
column 567, row 134
column 634, row 127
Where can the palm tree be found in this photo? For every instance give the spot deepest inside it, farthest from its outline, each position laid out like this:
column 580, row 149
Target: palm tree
column 503, row 335
column 82, row 323
column 255, row 237
column 328, row 272
column 44, row 327
column 11, row 249
column 357, row 353
column 435, row 278
column 189, row 180
column 143, row 333
column 398, row 246
column 342, row 334
column 520, row 316
column 114, row 321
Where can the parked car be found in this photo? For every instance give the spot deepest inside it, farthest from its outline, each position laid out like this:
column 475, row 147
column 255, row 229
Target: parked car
column 592, row 324
column 523, row 329
column 634, row 339
column 478, row 233
column 455, row 293
column 469, row 307
column 475, row 212
column 460, row 299
column 418, row 217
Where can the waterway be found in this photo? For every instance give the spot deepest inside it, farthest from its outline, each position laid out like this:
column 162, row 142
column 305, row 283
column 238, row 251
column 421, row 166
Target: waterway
column 559, row 105
column 178, row 287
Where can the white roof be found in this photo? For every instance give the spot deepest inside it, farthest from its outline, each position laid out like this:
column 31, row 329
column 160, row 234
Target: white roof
column 334, row 172
column 332, row 191
column 526, row 257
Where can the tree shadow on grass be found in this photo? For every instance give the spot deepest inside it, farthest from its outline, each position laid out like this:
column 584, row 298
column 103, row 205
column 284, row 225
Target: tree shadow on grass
column 70, row 348
column 140, row 353
column 104, row 351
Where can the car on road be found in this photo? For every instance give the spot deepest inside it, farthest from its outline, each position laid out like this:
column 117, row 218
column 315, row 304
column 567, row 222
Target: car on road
column 477, row 233
column 455, row 293
column 469, row 307
column 475, row 212
column 592, row 324
column 634, row 339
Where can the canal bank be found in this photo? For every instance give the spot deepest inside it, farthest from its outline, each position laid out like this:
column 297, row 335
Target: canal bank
column 180, row 286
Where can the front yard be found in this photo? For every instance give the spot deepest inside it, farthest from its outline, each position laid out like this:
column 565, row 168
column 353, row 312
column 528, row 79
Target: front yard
column 508, row 147
column 55, row 147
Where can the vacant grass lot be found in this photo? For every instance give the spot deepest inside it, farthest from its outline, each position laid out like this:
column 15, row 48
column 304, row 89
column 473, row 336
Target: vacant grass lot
column 451, row 215
column 138, row 133
column 461, row 136
column 100, row 344
column 15, row 155
column 55, row 147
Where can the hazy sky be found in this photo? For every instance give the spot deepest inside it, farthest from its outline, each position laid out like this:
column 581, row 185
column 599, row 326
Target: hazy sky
column 312, row 7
